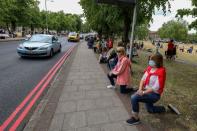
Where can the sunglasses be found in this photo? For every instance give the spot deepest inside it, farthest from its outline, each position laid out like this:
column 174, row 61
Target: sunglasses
column 118, row 51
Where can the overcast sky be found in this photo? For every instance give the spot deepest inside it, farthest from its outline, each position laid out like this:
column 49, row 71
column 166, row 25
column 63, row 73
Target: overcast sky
column 72, row 6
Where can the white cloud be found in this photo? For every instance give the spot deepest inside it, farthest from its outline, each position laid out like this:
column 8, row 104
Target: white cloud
column 159, row 18
column 68, row 6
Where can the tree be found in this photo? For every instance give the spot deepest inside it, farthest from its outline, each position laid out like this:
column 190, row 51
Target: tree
column 109, row 19
column 186, row 12
column 142, row 31
column 174, row 29
column 85, row 27
column 18, row 12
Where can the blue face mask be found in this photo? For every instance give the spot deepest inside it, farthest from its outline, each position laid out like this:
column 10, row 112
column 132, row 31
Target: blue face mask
column 152, row 63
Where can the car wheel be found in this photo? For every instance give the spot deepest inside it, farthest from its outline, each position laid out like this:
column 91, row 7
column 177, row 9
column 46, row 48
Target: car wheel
column 60, row 49
column 51, row 53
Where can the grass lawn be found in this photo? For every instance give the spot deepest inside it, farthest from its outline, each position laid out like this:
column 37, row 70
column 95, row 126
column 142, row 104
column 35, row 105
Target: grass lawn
column 180, row 90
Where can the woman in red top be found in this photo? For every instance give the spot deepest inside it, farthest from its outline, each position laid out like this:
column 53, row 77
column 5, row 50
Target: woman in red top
column 170, row 45
column 170, row 50
column 150, row 89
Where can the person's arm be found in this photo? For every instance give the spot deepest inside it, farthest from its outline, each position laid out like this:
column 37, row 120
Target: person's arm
column 147, row 91
column 141, row 90
column 154, row 88
column 141, row 86
column 120, row 68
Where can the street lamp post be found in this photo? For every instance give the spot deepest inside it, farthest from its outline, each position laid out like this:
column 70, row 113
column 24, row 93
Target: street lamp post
column 132, row 32
column 47, row 15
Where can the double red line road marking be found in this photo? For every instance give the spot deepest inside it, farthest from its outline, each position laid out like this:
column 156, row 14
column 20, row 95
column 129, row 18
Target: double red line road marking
column 39, row 88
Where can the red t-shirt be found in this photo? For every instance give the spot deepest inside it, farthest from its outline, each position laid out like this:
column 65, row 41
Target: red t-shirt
column 170, row 46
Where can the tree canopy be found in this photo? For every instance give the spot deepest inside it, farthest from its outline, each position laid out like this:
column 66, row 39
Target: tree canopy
column 26, row 13
column 174, row 29
column 110, row 19
column 186, row 12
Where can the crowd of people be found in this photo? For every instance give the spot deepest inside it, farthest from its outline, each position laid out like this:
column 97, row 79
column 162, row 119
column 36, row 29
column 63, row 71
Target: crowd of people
column 171, row 52
column 152, row 82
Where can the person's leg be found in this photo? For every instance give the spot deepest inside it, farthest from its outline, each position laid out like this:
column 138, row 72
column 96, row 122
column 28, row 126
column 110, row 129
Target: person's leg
column 135, row 104
column 111, row 79
column 135, row 110
column 95, row 49
column 154, row 109
column 108, row 64
column 149, row 100
column 124, row 89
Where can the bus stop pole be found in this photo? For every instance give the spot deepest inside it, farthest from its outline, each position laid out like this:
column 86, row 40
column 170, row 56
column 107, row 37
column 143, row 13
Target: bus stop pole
column 132, row 32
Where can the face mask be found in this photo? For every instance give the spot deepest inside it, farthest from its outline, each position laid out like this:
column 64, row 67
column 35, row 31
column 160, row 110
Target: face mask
column 151, row 63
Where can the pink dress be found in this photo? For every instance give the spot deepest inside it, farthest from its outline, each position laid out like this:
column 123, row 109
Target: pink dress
column 122, row 70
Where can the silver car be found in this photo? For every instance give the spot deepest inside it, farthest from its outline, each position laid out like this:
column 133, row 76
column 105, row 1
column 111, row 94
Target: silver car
column 39, row 45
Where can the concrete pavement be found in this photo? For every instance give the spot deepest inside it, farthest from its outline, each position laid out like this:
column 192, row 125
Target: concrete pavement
column 84, row 103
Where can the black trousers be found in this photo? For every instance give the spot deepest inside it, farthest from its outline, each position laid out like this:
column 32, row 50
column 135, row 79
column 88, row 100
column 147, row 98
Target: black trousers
column 123, row 88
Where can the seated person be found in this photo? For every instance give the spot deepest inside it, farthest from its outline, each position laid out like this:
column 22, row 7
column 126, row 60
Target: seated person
column 112, row 57
column 122, row 72
column 150, row 89
column 103, row 56
column 190, row 50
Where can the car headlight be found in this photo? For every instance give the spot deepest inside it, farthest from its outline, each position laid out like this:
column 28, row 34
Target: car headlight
column 21, row 46
column 43, row 48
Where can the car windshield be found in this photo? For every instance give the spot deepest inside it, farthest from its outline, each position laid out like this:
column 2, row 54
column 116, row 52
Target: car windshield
column 73, row 34
column 40, row 38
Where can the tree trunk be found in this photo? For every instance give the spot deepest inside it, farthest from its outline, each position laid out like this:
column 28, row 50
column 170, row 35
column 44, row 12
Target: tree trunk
column 13, row 26
column 32, row 29
column 23, row 31
column 127, row 26
column 7, row 26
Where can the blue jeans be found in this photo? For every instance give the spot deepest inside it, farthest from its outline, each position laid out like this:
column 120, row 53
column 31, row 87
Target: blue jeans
column 149, row 100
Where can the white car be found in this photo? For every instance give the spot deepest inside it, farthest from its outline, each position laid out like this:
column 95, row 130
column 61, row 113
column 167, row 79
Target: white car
column 4, row 36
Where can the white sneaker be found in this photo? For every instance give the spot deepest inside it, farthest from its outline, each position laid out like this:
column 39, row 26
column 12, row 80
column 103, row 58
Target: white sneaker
column 111, row 87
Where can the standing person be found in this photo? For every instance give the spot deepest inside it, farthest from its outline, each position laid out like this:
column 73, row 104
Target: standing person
column 150, row 89
column 103, row 56
column 109, row 43
column 170, row 48
column 171, row 45
column 121, row 72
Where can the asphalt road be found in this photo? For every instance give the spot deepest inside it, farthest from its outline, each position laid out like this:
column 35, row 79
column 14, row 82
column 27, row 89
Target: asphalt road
column 19, row 76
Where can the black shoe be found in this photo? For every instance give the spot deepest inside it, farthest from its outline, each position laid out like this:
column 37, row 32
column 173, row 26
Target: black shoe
column 133, row 121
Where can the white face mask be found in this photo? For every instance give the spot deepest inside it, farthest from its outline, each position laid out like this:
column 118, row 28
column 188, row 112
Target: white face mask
column 152, row 63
